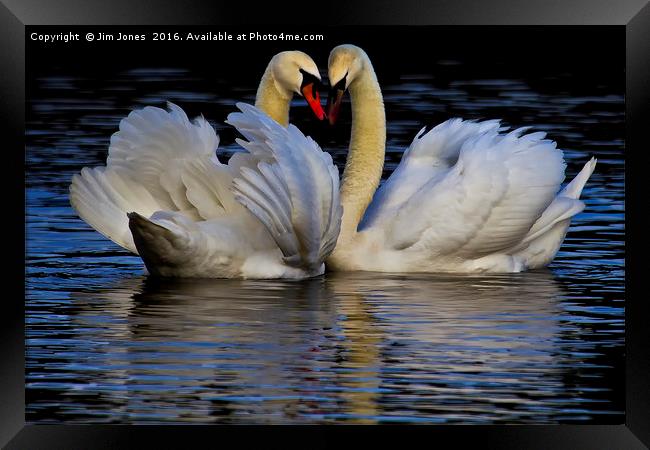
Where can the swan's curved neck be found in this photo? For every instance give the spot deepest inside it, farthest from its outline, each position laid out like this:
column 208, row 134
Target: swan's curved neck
column 271, row 100
column 365, row 161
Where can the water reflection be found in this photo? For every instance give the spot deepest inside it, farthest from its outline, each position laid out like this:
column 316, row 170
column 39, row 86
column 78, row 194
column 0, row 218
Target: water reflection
column 452, row 348
column 356, row 347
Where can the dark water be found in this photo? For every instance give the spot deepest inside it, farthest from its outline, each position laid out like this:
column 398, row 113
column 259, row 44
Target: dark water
column 105, row 344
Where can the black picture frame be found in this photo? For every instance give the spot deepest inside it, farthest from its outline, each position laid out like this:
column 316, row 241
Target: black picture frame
column 634, row 15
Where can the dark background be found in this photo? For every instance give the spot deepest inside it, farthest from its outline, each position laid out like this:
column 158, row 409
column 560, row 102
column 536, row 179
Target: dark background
column 571, row 59
column 598, row 50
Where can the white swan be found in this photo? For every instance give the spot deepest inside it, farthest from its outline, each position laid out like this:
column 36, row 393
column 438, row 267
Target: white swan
column 464, row 198
column 271, row 212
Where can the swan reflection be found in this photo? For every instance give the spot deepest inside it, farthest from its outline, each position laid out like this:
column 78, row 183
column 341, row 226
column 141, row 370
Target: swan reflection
column 351, row 346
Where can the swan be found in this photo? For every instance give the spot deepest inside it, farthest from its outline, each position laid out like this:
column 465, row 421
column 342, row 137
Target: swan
column 466, row 197
column 272, row 212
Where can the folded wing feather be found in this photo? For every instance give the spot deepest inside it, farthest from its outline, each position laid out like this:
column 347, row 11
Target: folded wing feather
column 486, row 201
column 292, row 187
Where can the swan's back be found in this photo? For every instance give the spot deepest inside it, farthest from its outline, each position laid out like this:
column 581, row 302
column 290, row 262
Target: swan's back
column 466, row 191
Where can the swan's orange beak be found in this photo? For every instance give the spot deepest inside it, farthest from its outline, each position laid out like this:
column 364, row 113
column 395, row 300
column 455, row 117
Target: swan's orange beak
column 334, row 99
column 313, row 100
column 334, row 104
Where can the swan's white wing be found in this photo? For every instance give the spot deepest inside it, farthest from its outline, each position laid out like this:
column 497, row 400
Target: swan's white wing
column 428, row 155
column 208, row 187
column 290, row 185
column 543, row 240
column 102, row 197
column 151, row 147
column 486, row 202
column 158, row 161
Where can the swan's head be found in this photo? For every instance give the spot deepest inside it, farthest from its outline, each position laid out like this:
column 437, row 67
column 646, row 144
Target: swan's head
column 346, row 63
column 296, row 72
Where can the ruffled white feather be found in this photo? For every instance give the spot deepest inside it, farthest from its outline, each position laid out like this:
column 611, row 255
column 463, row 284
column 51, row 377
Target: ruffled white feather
column 468, row 197
column 272, row 212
